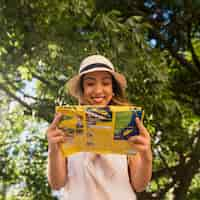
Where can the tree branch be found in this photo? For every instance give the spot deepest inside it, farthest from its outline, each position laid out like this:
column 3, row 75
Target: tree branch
column 175, row 54
column 12, row 95
column 18, row 89
column 194, row 55
column 43, row 80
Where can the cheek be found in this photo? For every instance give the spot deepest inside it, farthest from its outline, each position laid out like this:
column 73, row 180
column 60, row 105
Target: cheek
column 109, row 90
column 87, row 91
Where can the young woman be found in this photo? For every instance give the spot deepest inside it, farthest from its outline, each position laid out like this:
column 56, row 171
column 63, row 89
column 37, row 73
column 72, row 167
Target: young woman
column 89, row 176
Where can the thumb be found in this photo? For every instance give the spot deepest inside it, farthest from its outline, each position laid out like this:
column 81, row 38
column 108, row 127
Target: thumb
column 56, row 120
column 140, row 126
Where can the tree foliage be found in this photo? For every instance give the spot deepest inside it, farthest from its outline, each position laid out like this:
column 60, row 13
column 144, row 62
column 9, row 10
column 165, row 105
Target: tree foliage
column 154, row 43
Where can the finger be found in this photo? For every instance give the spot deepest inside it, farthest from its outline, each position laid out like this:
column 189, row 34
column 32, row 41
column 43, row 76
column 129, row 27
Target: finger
column 138, row 140
column 142, row 130
column 139, row 147
column 139, row 124
column 56, row 120
column 58, row 139
column 54, row 133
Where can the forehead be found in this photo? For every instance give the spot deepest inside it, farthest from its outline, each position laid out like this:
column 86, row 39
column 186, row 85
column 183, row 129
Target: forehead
column 97, row 75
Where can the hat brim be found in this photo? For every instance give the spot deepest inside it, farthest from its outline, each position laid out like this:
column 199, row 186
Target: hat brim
column 73, row 85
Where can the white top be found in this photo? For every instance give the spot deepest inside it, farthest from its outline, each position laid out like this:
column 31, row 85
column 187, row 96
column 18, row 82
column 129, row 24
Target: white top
column 98, row 177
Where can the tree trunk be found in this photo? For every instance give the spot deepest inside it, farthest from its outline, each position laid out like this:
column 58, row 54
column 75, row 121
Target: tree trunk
column 185, row 176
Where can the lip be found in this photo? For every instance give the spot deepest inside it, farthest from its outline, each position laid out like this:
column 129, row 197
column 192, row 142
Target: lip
column 98, row 99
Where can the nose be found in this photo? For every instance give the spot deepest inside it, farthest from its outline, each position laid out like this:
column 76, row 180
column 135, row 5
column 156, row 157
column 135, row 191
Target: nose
column 98, row 88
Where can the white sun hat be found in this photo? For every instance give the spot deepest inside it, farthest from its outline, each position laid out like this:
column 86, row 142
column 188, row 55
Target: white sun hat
column 91, row 64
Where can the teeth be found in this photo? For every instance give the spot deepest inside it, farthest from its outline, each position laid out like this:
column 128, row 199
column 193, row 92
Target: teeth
column 98, row 99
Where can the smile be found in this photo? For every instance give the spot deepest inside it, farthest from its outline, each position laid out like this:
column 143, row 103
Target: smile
column 98, row 99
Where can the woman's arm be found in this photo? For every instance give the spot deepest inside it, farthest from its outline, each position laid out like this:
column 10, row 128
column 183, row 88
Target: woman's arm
column 140, row 165
column 57, row 163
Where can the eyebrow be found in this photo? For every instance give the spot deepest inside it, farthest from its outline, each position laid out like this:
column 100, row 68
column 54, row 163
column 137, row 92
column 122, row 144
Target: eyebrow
column 88, row 78
column 93, row 78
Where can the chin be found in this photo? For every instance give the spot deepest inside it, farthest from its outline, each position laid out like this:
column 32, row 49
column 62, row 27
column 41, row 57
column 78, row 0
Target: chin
column 105, row 103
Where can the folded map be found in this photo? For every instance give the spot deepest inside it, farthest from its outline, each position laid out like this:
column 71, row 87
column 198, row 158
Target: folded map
column 99, row 129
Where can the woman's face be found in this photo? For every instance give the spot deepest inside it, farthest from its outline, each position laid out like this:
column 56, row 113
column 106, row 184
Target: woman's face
column 97, row 88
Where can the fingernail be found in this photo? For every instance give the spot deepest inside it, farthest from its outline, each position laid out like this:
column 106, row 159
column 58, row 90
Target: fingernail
column 137, row 118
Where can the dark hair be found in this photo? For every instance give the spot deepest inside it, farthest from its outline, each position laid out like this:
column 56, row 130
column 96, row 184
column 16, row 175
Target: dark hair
column 119, row 97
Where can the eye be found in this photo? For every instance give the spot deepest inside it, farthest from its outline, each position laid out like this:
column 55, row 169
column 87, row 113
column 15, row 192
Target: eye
column 90, row 84
column 107, row 83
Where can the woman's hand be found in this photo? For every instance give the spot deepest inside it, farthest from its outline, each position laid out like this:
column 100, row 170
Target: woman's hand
column 140, row 165
column 54, row 134
column 57, row 163
column 142, row 142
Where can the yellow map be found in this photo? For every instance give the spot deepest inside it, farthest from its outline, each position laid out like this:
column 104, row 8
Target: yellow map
column 99, row 129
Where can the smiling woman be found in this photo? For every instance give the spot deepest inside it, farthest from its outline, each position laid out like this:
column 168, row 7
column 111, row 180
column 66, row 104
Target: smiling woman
column 89, row 176
column 97, row 88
